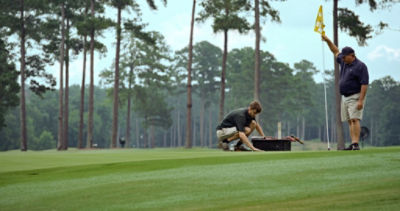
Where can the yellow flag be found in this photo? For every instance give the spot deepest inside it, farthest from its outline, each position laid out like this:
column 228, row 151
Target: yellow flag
column 319, row 22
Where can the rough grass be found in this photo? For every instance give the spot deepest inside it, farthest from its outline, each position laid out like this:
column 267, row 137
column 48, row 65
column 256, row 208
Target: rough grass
column 200, row 179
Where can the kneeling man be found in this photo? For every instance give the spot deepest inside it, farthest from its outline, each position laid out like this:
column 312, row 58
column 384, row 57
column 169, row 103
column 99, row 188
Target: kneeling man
column 239, row 124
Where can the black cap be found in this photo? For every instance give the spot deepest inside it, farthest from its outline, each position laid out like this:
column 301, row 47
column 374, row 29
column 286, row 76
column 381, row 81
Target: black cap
column 346, row 51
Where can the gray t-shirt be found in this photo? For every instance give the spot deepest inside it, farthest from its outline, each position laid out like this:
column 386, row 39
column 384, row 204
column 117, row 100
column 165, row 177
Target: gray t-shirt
column 239, row 118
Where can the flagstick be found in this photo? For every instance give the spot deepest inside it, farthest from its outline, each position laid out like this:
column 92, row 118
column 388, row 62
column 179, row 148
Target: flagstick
column 326, row 103
column 319, row 28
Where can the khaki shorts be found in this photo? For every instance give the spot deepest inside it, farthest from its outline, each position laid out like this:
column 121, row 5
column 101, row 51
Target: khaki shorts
column 225, row 133
column 349, row 108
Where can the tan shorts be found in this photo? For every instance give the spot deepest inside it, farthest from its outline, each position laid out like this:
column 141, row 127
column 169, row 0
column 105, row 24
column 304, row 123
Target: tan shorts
column 349, row 108
column 225, row 133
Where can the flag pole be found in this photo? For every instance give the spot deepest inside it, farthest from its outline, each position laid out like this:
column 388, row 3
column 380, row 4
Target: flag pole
column 326, row 102
column 319, row 28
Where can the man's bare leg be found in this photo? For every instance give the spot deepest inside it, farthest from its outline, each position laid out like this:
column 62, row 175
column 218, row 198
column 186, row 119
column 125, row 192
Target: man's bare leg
column 351, row 130
column 247, row 131
column 356, row 130
column 354, row 125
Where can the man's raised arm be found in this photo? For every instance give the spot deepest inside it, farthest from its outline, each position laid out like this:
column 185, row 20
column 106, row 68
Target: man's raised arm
column 332, row 46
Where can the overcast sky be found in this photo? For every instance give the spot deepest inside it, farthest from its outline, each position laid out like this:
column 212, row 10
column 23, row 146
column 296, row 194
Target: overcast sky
column 290, row 41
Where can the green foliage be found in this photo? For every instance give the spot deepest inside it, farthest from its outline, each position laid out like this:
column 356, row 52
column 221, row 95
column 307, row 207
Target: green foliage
column 279, row 94
column 372, row 3
column 152, row 5
column 305, row 86
column 350, row 22
column 382, row 109
column 44, row 141
column 152, row 79
column 33, row 22
column 151, row 105
column 10, row 135
column 231, row 17
column 206, row 69
column 143, row 63
column 9, row 86
column 281, row 99
column 76, row 12
column 266, row 10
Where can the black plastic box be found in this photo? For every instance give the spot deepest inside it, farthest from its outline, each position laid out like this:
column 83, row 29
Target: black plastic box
column 271, row 144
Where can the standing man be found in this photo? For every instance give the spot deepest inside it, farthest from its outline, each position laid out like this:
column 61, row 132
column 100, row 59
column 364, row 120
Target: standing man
column 353, row 84
column 239, row 124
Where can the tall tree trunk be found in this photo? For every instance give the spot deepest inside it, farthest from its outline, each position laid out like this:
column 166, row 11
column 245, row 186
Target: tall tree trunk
column 152, row 137
column 91, row 87
column 201, row 132
column 303, row 128
column 288, row 128
column 194, row 132
column 210, row 127
column 81, row 106
column 257, row 53
column 145, row 137
column 339, row 127
column 372, row 129
column 178, row 128
column 128, row 118
column 66, row 99
column 205, row 133
column 61, row 107
column 137, row 133
column 116, row 85
column 24, row 140
column 189, row 83
column 173, row 135
column 224, row 57
column 319, row 133
column 165, row 139
column 170, row 135
column 332, row 129
column 297, row 127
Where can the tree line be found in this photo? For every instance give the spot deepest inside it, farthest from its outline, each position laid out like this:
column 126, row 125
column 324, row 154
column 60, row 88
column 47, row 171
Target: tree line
column 147, row 74
column 289, row 94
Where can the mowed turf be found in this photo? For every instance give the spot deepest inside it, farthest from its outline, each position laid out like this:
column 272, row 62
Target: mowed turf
column 197, row 179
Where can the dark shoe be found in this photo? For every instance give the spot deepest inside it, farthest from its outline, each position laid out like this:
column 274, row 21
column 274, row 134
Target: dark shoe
column 224, row 145
column 239, row 143
column 353, row 146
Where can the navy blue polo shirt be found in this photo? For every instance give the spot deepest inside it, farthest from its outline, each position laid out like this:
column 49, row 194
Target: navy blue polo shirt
column 352, row 76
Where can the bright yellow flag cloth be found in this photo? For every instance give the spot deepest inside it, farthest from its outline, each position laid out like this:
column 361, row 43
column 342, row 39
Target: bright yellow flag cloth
column 319, row 22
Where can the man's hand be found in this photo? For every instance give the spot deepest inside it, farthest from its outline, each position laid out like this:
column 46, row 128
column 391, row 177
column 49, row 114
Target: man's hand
column 360, row 105
column 324, row 38
column 332, row 46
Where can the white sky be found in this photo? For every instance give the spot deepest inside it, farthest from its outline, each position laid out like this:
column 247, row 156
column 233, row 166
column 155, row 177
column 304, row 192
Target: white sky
column 290, row 42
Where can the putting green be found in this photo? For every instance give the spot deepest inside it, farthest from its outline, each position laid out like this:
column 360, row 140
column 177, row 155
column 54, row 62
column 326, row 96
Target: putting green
column 200, row 179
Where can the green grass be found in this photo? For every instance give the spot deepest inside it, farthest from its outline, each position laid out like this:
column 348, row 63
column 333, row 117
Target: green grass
column 200, row 179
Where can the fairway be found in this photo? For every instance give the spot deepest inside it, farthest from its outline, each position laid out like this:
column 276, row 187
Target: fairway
column 200, row 179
